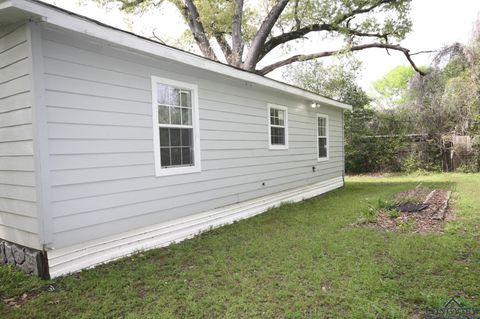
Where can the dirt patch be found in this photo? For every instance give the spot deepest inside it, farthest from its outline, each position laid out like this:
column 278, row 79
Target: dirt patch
column 431, row 219
column 417, row 195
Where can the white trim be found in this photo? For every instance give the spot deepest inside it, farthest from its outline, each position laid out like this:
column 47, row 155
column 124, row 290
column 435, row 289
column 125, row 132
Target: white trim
column 277, row 146
column 76, row 23
column 5, row 4
column 197, row 167
column 40, row 138
column 89, row 254
column 327, row 135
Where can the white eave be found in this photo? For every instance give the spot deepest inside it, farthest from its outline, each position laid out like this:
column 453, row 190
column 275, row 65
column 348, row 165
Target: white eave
column 16, row 10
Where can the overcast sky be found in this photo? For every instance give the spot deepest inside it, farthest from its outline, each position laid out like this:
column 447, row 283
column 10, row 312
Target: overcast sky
column 435, row 24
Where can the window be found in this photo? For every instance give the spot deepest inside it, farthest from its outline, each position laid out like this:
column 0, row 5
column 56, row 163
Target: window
column 322, row 137
column 175, row 127
column 277, row 127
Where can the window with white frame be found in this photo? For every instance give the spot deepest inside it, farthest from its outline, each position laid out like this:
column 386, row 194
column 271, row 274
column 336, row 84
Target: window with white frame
column 322, row 137
column 278, row 126
column 175, row 127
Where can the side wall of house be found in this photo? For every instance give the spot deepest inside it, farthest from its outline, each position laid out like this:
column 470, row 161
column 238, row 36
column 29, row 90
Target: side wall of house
column 19, row 221
column 101, row 146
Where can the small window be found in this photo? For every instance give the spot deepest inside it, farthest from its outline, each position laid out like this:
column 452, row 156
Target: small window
column 175, row 127
column 322, row 137
column 278, row 126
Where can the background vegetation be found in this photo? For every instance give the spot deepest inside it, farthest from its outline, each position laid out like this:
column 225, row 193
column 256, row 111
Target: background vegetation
column 411, row 121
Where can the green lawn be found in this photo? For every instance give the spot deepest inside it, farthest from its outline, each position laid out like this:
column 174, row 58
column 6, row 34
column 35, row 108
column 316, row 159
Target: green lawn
column 298, row 261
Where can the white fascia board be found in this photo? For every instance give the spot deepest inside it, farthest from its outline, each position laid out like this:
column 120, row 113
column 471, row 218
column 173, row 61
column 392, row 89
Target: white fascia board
column 5, row 4
column 75, row 23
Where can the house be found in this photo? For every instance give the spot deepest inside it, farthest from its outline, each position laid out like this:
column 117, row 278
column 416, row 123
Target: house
column 112, row 143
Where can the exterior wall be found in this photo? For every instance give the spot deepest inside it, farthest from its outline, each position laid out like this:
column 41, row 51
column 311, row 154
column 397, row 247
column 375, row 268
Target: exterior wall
column 100, row 141
column 19, row 221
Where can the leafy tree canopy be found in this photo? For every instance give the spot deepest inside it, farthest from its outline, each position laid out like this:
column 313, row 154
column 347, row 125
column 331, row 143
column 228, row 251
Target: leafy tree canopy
column 243, row 32
column 393, row 87
column 337, row 80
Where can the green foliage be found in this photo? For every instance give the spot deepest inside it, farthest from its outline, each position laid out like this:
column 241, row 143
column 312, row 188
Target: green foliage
column 447, row 101
column 444, row 102
column 391, row 18
column 385, row 204
column 407, row 200
column 336, row 80
column 368, row 215
column 393, row 213
column 469, row 166
column 412, row 163
column 217, row 16
column 373, row 138
column 347, row 20
column 376, row 147
column 393, row 86
column 406, row 225
column 388, row 206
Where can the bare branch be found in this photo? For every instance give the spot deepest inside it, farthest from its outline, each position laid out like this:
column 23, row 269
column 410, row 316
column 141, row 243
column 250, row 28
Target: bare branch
column 306, row 57
column 422, row 52
column 156, row 38
column 262, row 34
column 237, row 39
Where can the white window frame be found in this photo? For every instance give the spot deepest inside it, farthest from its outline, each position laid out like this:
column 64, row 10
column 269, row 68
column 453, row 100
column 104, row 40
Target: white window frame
column 165, row 171
column 276, row 146
column 327, row 131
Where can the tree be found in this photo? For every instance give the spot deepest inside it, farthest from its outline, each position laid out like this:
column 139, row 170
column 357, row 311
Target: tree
column 339, row 81
column 447, row 100
column 246, row 33
column 393, row 87
column 373, row 137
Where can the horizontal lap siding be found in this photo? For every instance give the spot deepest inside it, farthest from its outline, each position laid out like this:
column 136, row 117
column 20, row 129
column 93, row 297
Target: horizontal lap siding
column 18, row 213
column 101, row 149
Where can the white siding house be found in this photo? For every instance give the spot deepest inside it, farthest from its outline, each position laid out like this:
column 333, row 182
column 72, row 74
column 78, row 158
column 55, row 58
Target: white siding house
column 111, row 143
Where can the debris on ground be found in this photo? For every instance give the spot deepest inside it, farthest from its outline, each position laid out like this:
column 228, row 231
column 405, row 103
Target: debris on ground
column 418, row 210
column 19, row 301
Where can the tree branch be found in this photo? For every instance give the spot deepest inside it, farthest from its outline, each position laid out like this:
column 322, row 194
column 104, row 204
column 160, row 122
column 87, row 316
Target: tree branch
column 224, row 46
column 298, row 23
column 297, row 34
column 306, row 57
column 262, row 34
column 237, row 39
column 422, row 52
column 156, row 38
column 333, row 26
column 190, row 14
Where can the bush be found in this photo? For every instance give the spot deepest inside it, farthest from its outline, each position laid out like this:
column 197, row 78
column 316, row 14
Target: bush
column 412, row 163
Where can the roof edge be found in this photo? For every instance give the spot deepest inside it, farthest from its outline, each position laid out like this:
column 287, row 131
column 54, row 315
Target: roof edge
column 78, row 23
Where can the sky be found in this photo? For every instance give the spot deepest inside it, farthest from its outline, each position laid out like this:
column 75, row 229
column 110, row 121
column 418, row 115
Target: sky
column 436, row 23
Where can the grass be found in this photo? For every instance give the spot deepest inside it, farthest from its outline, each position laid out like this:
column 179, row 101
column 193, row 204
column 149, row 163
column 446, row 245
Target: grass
column 300, row 260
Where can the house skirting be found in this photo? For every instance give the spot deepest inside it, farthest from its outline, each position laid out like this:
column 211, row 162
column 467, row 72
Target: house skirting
column 89, row 254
